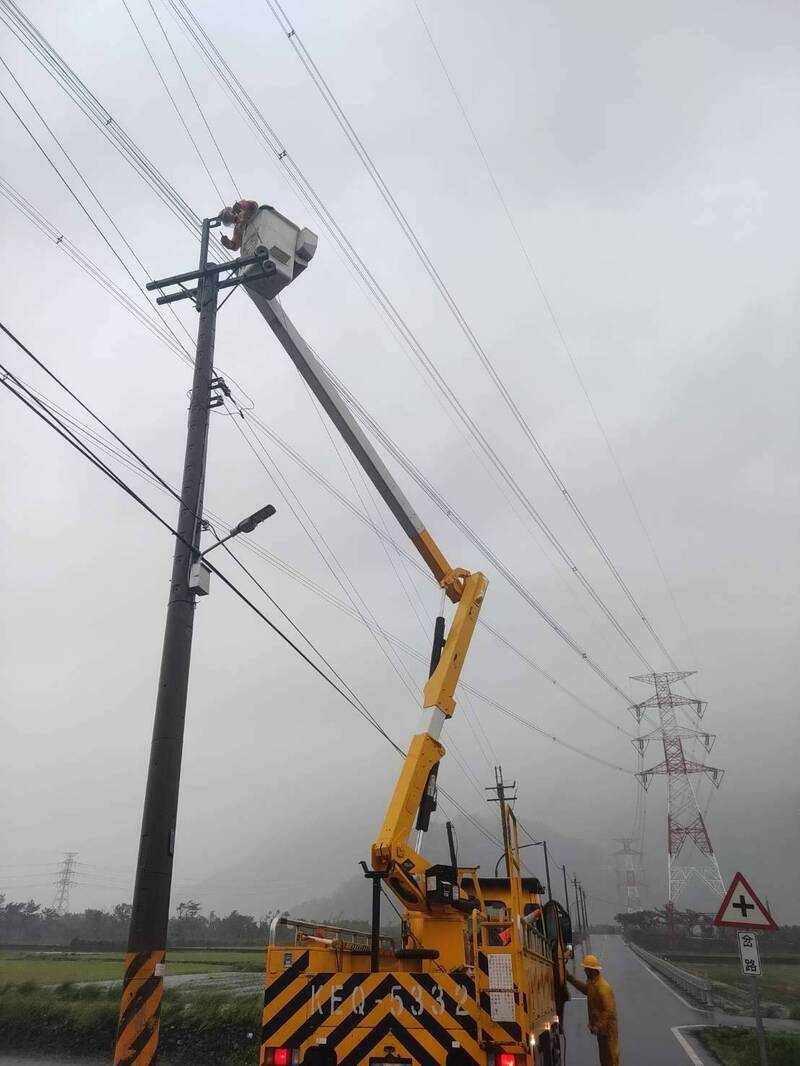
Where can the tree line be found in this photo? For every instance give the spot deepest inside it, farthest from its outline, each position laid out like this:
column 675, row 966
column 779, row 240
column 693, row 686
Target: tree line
column 690, row 930
column 32, row 923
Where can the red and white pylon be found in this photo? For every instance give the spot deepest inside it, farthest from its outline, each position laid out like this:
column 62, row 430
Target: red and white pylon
column 685, row 823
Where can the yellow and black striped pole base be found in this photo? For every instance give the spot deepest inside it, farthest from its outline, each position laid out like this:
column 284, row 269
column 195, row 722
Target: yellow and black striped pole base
column 140, row 1009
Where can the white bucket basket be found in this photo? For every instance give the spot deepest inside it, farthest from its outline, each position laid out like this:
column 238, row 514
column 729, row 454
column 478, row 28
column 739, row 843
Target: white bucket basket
column 288, row 247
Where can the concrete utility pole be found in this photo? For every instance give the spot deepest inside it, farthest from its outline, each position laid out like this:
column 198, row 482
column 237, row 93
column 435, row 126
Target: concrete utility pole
column 547, row 871
column 566, row 892
column 578, row 915
column 499, row 788
column 138, row 1030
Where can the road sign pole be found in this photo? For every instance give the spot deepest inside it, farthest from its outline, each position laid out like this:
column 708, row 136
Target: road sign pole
column 760, row 1037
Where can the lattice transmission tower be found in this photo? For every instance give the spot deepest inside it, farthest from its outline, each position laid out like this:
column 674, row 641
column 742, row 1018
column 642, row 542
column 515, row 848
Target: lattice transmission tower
column 685, row 823
column 66, row 879
column 629, row 868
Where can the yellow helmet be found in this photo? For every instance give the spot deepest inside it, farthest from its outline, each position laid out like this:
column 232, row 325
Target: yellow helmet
column 591, row 962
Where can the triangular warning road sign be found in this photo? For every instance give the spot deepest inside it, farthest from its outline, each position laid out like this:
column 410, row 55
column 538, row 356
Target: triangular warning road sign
column 742, row 909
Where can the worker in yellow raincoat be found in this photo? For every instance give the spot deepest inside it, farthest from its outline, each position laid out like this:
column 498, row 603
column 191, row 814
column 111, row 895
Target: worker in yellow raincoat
column 602, row 1009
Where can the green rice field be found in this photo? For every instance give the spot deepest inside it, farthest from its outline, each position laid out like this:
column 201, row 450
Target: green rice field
column 57, row 967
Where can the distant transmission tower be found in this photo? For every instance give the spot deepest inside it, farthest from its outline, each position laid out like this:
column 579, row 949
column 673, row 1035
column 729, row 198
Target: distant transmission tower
column 629, row 858
column 684, row 820
column 66, row 878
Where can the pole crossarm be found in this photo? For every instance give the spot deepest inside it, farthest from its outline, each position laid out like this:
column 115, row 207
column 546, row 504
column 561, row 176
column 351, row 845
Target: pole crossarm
column 706, row 739
column 267, row 269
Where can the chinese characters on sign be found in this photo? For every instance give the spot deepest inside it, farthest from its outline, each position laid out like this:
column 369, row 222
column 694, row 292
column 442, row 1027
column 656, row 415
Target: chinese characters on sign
column 748, row 950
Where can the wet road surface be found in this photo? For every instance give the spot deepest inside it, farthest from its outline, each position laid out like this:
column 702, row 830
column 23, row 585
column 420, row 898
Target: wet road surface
column 648, row 1012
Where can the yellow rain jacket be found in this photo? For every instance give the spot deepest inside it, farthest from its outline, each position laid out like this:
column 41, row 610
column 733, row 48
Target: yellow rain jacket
column 602, row 1009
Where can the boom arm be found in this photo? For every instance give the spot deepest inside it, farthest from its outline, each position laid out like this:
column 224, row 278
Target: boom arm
column 326, row 392
column 404, row 868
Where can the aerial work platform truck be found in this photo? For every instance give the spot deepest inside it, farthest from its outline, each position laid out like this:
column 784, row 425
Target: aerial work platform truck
column 479, row 974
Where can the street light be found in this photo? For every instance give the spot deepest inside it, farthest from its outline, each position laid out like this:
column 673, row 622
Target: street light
column 533, row 844
column 497, row 864
column 247, row 525
column 199, row 574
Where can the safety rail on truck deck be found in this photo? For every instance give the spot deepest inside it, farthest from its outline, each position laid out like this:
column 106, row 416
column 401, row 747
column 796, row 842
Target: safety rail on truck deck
column 699, row 988
column 324, row 931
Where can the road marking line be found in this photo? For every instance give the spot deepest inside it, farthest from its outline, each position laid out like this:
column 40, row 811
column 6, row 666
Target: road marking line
column 669, row 988
column 687, row 1047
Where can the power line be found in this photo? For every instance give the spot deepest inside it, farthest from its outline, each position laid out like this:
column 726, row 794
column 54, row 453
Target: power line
column 157, row 480
column 146, row 318
column 107, row 124
column 30, row 212
column 196, row 101
column 72, row 192
column 172, row 100
column 269, row 139
column 573, row 363
column 38, row 407
column 340, row 574
column 358, row 146
column 63, row 74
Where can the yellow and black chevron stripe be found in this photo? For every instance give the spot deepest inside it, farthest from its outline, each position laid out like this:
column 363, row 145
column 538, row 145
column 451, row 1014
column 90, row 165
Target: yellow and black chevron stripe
column 421, row 1015
column 142, row 989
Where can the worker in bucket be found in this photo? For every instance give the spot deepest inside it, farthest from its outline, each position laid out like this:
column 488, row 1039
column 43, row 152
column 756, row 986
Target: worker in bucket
column 602, row 1009
column 237, row 216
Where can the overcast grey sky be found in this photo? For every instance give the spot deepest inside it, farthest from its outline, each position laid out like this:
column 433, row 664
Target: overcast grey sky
column 648, row 155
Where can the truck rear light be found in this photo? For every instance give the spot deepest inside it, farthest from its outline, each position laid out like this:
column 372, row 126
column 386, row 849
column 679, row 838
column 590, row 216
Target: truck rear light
column 281, row 1056
column 506, row 1059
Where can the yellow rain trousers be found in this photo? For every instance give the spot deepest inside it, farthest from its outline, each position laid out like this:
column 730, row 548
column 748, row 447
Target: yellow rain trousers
column 602, row 1017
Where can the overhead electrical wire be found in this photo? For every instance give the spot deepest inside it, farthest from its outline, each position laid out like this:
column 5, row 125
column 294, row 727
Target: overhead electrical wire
column 171, row 96
column 309, row 195
column 17, row 388
column 276, row 150
column 96, row 274
column 357, row 144
column 56, row 67
column 146, row 317
column 193, row 95
column 576, row 370
column 69, row 188
column 339, row 573
column 155, row 478
column 49, row 230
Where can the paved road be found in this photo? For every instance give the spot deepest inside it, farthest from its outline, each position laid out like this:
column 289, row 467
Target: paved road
column 648, row 1011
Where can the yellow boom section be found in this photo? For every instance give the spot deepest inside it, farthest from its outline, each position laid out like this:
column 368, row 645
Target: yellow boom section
column 391, row 851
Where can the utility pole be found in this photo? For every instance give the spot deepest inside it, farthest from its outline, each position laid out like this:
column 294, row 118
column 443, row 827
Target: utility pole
column 66, row 879
column 499, row 788
column 547, row 871
column 583, row 906
column 138, row 1030
column 577, row 902
column 566, row 893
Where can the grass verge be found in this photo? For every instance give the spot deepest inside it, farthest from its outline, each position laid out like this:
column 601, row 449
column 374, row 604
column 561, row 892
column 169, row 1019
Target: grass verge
column 780, row 983
column 195, row 1027
column 53, row 967
column 738, row 1047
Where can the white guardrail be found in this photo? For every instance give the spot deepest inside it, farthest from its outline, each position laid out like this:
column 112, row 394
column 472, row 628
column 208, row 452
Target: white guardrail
column 699, row 988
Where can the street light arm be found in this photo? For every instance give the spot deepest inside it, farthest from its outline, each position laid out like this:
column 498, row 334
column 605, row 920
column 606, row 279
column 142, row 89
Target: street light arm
column 247, row 525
